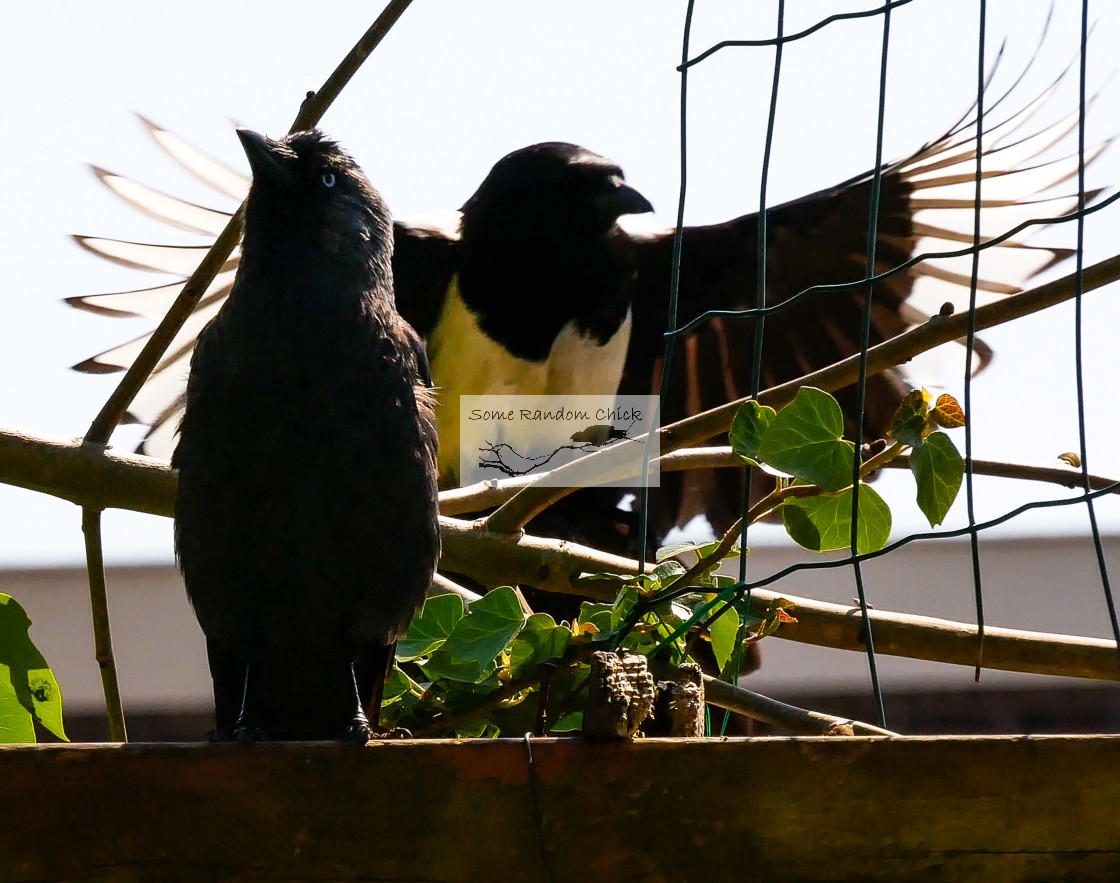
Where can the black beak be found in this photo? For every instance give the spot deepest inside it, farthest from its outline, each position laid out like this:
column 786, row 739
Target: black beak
column 623, row 200
column 262, row 156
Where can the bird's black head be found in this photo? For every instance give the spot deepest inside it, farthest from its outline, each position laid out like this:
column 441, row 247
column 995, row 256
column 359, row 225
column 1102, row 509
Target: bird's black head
column 539, row 239
column 549, row 187
column 309, row 198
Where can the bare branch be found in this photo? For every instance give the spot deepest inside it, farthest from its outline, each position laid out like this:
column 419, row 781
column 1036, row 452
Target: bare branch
column 93, row 477
column 102, row 636
column 770, row 711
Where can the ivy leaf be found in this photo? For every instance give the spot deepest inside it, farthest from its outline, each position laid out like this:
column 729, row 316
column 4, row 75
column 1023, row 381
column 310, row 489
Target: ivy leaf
column 948, row 412
column 600, row 616
column 572, row 722
column 723, row 632
column 430, row 627
column 747, row 429
column 398, row 685
column 806, row 440
column 667, row 570
column 910, row 423
column 28, row 689
column 938, row 469
column 468, row 653
column 539, row 641
column 824, row 524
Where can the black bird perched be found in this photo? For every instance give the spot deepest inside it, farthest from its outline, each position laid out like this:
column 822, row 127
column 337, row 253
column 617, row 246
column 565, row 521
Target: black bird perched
column 306, row 523
column 538, row 285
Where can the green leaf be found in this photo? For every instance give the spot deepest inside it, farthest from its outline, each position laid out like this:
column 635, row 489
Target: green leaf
column 28, row 689
column 824, row 524
column 539, row 641
column 398, row 685
column 572, row 722
column 622, row 606
column 15, row 721
column 673, row 550
column 805, row 440
column 666, row 571
column 724, row 632
column 599, row 615
column 468, row 653
column 910, row 422
column 749, row 426
column 938, row 469
column 430, row 627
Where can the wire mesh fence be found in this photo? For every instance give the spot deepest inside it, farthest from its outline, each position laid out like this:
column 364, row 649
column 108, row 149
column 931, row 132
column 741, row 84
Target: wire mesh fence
column 977, row 154
column 743, row 587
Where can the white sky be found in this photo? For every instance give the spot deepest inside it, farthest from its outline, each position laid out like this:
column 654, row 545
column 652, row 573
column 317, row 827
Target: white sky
column 454, row 87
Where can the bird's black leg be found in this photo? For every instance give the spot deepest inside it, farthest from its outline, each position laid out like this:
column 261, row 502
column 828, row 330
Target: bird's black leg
column 359, row 730
column 246, row 729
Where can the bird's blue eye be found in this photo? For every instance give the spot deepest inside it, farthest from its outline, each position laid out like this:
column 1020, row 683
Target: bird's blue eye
column 327, row 178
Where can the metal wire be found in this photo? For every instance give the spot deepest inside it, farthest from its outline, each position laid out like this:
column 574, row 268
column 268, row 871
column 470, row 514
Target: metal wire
column 721, row 602
column 861, row 394
column 970, row 342
column 674, row 288
column 1078, row 360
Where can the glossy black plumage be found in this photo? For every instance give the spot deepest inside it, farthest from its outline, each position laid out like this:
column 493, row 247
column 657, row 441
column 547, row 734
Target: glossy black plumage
column 526, row 265
column 306, row 524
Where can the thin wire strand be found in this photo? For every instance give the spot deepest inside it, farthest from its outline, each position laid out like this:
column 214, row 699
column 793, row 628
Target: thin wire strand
column 861, row 388
column 760, row 326
column 782, row 40
column 647, row 604
column 674, row 289
column 1098, row 547
column 970, row 342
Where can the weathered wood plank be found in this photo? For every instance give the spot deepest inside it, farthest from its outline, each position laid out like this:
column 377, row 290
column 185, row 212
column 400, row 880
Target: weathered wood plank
column 908, row 808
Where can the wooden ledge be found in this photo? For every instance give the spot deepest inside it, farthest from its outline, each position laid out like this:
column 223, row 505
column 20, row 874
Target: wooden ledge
column 913, row 808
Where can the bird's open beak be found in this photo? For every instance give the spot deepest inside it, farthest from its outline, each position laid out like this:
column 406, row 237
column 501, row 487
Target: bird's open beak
column 262, row 156
column 624, row 200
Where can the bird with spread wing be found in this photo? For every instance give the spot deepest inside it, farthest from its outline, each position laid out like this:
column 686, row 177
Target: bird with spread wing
column 539, row 283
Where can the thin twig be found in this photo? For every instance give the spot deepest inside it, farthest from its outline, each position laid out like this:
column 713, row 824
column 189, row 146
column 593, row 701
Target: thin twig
column 102, row 636
column 534, row 499
column 310, row 112
column 770, row 711
column 487, row 703
column 102, row 478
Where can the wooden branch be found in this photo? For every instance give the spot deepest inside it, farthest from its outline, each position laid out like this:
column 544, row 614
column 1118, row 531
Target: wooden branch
column 441, row 585
column 101, row 478
column 483, row 495
column 102, row 635
column 91, row 476
column 807, row 809
column 770, row 711
column 534, row 499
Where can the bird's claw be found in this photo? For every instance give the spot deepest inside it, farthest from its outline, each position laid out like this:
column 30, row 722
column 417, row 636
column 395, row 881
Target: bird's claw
column 359, row 732
column 395, row 733
column 247, row 734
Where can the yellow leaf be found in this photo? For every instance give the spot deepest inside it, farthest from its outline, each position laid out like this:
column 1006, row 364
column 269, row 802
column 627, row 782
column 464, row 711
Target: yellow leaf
column 948, row 412
column 1071, row 459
